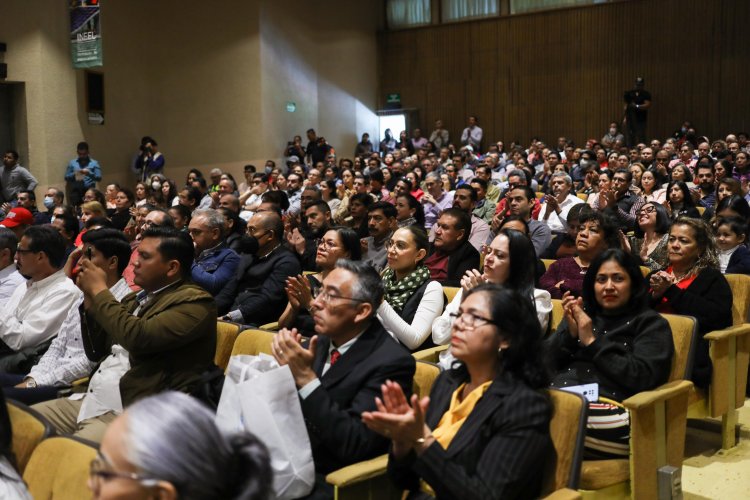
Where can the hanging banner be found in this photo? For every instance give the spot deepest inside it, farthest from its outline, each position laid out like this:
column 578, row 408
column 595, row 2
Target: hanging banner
column 85, row 34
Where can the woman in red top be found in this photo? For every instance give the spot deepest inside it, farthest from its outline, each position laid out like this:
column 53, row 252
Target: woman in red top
column 693, row 285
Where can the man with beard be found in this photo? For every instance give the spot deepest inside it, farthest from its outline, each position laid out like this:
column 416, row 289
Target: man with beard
column 318, row 221
column 705, row 194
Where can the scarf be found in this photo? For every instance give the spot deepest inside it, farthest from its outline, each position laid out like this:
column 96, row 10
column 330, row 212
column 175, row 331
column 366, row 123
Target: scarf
column 397, row 292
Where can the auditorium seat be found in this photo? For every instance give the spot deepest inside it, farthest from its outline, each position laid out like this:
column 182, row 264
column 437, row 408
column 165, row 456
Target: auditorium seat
column 226, row 334
column 271, row 327
column 547, row 263
column 29, row 429
column 59, row 469
column 450, row 293
column 253, row 342
column 729, row 350
column 431, row 355
column 367, row 479
column 567, row 430
column 658, row 422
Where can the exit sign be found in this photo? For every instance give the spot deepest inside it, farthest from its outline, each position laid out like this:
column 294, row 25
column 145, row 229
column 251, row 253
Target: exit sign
column 393, row 98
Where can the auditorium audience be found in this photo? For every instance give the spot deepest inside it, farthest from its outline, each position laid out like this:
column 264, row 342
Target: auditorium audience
column 168, row 446
column 36, row 310
column 168, row 330
column 649, row 240
column 692, row 284
column 255, row 294
column 65, row 361
column 381, row 222
column 564, row 244
column 610, row 337
column 596, row 233
column 215, row 263
column 484, row 430
column 343, row 368
column 451, row 253
column 412, row 301
column 731, row 242
column 10, row 278
column 509, row 261
column 557, row 204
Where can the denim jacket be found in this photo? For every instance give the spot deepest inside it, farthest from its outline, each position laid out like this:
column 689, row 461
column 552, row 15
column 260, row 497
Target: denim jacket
column 214, row 267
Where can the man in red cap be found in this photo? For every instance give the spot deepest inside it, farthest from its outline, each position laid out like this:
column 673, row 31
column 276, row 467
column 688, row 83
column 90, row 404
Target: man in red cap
column 18, row 220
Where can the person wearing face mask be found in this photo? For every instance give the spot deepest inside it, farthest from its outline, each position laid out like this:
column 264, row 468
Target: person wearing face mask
column 612, row 136
column 81, row 174
column 53, row 198
column 256, row 294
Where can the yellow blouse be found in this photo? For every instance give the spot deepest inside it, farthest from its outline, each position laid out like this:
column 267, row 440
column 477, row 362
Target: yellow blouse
column 457, row 414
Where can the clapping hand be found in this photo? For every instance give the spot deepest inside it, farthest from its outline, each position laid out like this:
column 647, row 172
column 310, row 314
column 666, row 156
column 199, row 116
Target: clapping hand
column 395, row 418
column 660, row 282
column 580, row 325
column 471, row 279
column 298, row 292
column 287, row 349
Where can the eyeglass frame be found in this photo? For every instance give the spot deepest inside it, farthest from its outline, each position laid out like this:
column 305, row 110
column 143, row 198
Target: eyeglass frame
column 26, row 250
column 474, row 317
column 107, row 475
column 327, row 296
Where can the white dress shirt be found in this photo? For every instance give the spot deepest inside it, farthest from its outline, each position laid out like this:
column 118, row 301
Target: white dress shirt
column 559, row 223
column 36, row 310
column 10, row 278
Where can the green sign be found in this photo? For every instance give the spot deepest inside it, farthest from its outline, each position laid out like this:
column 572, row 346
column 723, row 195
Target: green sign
column 85, row 34
column 291, row 107
column 393, row 99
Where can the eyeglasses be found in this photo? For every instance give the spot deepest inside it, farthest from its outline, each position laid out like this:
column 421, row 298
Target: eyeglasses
column 470, row 320
column 326, row 296
column 100, row 469
column 252, row 230
column 328, row 245
column 647, row 210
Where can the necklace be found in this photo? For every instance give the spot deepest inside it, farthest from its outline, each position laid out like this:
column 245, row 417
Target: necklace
column 269, row 252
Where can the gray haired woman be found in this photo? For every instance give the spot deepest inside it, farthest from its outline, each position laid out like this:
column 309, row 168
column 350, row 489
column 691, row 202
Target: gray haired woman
column 169, row 447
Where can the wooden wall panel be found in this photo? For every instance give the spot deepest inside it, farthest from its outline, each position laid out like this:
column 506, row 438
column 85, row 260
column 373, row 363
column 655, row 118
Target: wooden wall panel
column 563, row 72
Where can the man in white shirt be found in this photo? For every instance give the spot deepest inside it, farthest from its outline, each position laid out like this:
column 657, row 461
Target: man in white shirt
column 554, row 211
column 472, row 135
column 37, row 308
column 65, row 361
column 10, row 278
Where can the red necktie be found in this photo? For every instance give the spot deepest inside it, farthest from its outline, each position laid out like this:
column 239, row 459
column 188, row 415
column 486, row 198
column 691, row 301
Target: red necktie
column 335, row 355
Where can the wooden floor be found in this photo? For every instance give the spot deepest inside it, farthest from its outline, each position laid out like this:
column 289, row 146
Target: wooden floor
column 710, row 473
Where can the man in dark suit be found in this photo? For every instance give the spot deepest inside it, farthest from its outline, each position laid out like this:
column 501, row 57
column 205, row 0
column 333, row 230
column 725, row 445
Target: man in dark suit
column 452, row 254
column 341, row 372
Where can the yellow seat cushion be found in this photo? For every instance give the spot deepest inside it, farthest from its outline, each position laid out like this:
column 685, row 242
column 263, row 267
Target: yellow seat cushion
column 59, row 469
column 598, row 474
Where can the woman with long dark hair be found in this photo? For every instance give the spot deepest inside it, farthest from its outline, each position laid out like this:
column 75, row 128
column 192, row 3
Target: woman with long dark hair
column 680, row 202
column 610, row 337
column 484, row 430
column 509, row 261
column 409, row 212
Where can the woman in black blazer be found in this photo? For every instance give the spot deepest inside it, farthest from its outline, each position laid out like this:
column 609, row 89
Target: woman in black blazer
column 693, row 285
column 484, row 431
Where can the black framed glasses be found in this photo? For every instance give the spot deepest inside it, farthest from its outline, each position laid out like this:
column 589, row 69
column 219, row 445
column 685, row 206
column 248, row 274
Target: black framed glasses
column 471, row 320
column 25, row 250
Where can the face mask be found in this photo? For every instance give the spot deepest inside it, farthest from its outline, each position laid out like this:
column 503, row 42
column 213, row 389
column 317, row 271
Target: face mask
column 155, row 185
column 52, row 219
column 49, row 202
column 249, row 245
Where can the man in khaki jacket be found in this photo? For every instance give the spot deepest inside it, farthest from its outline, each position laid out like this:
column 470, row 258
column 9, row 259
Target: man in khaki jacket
column 168, row 330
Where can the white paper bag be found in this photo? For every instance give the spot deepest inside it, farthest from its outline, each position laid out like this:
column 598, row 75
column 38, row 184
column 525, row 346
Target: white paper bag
column 260, row 396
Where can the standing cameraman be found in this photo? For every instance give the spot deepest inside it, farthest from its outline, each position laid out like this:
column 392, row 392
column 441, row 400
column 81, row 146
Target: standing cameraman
column 637, row 104
column 150, row 161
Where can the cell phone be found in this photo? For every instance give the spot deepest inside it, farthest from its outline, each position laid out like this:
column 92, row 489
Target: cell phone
column 88, row 253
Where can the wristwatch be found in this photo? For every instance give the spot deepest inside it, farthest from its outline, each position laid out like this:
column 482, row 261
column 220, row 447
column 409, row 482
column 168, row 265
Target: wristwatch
column 30, row 383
